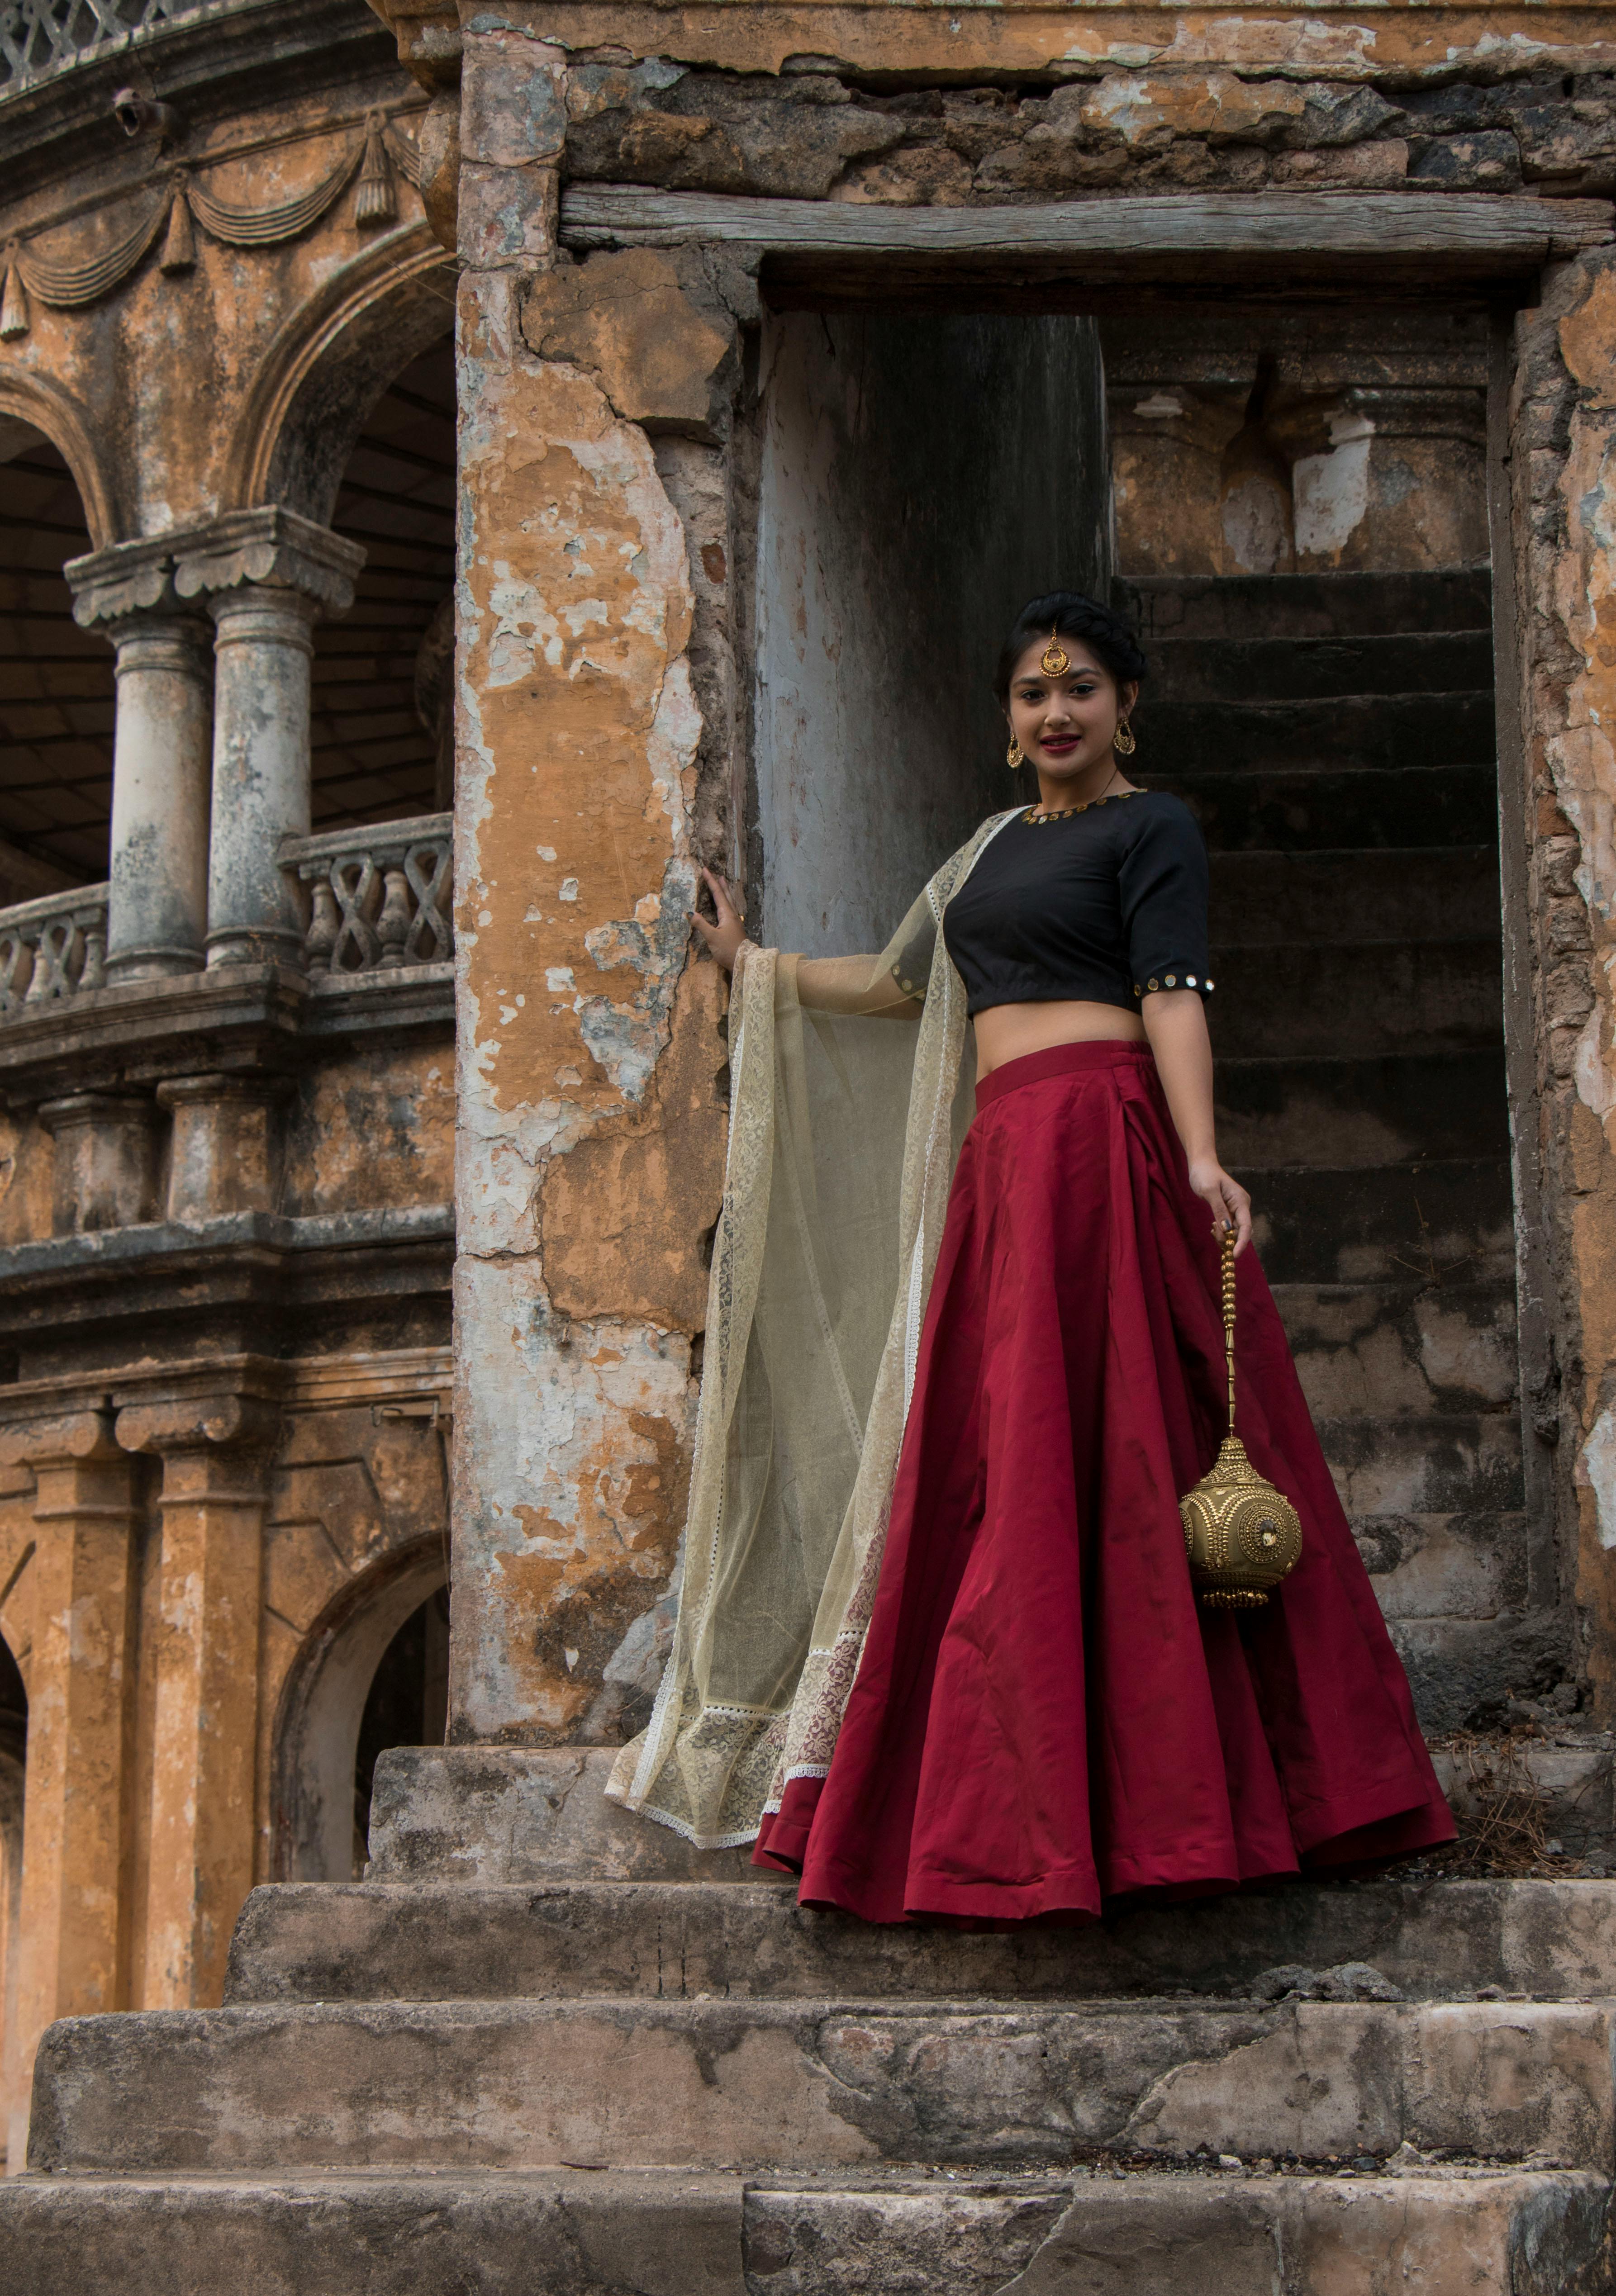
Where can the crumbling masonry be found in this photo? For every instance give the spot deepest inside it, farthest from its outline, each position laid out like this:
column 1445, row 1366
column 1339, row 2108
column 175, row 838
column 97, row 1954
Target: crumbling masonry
column 793, row 345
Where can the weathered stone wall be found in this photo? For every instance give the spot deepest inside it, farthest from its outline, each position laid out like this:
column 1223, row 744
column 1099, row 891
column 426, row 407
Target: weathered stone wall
column 1186, row 122
column 591, row 1124
column 1562, row 445
column 1255, row 439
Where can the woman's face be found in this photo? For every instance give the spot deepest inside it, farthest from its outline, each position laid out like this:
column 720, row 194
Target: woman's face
column 1064, row 724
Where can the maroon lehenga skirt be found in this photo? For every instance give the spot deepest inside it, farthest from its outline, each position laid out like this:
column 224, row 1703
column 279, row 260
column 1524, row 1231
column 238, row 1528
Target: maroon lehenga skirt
column 1045, row 1720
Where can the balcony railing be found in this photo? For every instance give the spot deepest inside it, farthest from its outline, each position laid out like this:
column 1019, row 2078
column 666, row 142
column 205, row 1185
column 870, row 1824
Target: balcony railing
column 377, row 898
column 51, row 948
column 38, row 37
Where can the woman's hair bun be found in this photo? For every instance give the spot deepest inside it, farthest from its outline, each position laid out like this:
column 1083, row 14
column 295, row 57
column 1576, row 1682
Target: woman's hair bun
column 1069, row 614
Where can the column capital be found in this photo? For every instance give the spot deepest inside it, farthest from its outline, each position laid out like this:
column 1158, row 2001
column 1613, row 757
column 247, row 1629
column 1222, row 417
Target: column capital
column 127, row 581
column 160, row 574
column 269, row 549
column 219, row 1422
column 59, row 1438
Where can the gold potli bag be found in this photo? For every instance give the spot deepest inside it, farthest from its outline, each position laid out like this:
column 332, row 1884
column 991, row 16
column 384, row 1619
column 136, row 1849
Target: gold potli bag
column 1242, row 1534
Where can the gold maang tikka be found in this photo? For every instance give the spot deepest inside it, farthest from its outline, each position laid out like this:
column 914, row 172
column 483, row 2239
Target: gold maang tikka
column 1056, row 660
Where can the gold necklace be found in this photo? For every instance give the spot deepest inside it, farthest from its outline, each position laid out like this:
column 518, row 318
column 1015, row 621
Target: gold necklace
column 1036, row 820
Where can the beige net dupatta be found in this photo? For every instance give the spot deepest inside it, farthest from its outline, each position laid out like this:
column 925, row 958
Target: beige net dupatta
column 846, row 1108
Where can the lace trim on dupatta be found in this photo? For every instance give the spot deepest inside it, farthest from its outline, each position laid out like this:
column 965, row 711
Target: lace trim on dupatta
column 712, row 1761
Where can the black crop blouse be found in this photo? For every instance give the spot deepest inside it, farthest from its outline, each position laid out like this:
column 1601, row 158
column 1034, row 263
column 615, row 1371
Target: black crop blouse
column 1104, row 905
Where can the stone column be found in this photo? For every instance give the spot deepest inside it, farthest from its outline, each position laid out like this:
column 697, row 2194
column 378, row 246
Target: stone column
column 268, row 575
column 72, row 1916
column 157, row 907
column 570, row 1445
column 201, row 1830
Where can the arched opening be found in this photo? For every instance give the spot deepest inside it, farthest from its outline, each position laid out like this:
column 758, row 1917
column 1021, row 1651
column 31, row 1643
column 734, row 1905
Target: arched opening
column 56, row 683
column 372, row 1673
column 381, row 682
column 408, row 1704
column 13, row 1754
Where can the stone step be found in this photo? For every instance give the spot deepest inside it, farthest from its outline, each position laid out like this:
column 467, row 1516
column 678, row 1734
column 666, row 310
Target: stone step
column 1404, row 733
column 1465, row 1673
column 1258, row 666
column 1438, row 1223
column 1274, row 808
column 1315, row 999
column 1114, row 2231
column 814, row 2084
column 520, row 1814
column 1367, row 1111
column 1416, row 1465
column 1466, row 1565
column 1305, row 605
column 1408, row 898
column 301, row 1942
column 1385, row 1349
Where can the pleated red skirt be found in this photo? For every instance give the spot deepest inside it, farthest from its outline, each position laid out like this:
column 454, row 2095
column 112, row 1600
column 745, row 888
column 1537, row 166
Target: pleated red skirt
column 1045, row 1718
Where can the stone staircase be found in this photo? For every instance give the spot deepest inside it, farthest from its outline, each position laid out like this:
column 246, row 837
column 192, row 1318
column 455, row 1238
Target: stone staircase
column 1335, row 735
column 546, row 2048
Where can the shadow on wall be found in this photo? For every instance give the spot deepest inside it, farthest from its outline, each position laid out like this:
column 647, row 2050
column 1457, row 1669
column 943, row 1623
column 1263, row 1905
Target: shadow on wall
column 921, row 479
column 14, row 1745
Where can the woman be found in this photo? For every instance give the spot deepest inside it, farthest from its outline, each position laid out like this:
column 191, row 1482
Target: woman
column 1009, row 1706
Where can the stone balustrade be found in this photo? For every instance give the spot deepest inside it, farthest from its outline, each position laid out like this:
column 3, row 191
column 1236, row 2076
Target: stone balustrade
column 38, row 37
column 378, row 898
column 53, row 947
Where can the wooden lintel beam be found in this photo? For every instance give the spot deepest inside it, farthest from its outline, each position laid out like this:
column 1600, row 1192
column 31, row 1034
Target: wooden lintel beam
column 1474, row 235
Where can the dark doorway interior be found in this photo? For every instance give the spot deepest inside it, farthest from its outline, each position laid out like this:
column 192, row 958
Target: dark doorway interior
column 383, row 671
column 13, row 1707
column 407, row 1704
column 56, row 687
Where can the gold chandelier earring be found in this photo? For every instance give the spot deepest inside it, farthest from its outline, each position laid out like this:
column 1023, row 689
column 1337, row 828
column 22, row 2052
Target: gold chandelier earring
column 1013, row 755
column 1123, row 738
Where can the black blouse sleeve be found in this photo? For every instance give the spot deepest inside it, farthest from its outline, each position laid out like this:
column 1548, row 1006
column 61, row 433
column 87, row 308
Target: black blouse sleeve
column 1163, row 882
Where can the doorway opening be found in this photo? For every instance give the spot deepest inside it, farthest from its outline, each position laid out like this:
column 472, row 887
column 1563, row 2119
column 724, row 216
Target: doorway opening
column 57, row 690
column 407, row 1703
column 1290, row 502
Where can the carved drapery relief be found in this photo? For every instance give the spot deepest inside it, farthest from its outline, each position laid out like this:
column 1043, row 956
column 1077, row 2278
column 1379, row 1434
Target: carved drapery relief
column 176, row 209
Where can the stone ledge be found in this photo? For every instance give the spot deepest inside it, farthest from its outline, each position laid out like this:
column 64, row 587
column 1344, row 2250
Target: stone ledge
column 172, row 1270
column 665, row 1940
column 1536, row 2234
column 509, row 1814
column 228, row 1016
column 817, row 2084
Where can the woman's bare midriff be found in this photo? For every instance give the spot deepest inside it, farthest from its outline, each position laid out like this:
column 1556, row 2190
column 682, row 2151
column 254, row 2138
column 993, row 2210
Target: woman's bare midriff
column 1006, row 1032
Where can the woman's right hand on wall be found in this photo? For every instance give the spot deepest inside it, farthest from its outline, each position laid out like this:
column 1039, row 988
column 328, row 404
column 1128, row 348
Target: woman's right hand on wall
column 724, row 937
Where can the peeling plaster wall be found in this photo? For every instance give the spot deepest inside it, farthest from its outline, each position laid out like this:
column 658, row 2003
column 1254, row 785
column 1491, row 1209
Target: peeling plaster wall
column 590, row 1126
column 371, row 1129
column 922, row 479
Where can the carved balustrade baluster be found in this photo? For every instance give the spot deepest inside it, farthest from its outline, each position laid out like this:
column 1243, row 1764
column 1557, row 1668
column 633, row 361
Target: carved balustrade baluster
column 16, row 965
column 431, row 920
column 378, row 898
column 58, row 961
column 393, row 925
column 321, row 937
column 52, row 948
